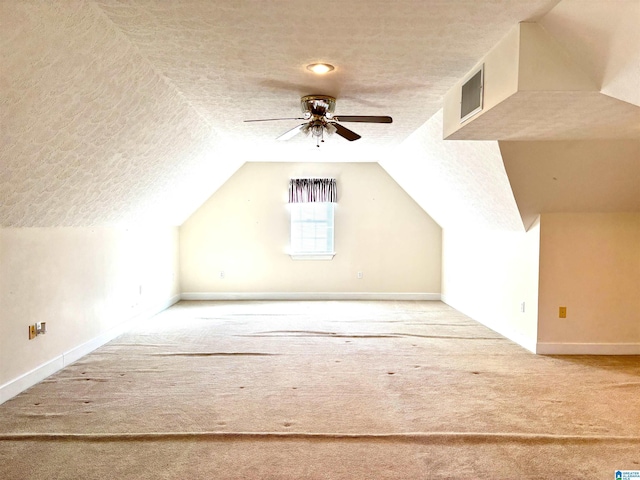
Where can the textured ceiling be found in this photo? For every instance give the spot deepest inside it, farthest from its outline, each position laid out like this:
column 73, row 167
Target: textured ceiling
column 243, row 60
column 131, row 111
column 91, row 133
column 461, row 184
column 119, row 112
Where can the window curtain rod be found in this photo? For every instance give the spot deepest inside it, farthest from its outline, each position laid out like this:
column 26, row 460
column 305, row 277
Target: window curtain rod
column 304, row 190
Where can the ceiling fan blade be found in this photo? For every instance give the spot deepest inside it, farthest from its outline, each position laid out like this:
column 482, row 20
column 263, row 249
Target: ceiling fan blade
column 345, row 132
column 291, row 133
column 272, row 119
column 363, row 118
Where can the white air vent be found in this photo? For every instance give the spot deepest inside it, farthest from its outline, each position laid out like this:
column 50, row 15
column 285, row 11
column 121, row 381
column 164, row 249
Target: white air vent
column 472, row 93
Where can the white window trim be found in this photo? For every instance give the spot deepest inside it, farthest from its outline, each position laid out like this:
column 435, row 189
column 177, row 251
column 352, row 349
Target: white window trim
column 312, row 256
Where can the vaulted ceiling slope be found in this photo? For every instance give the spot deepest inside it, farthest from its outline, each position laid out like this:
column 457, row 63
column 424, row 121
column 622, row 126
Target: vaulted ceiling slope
column 559, row 131
column 92, row 133
column 461, row 184
column 121, row 112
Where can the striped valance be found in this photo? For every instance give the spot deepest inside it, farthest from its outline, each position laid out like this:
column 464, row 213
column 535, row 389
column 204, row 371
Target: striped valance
column 303, row 190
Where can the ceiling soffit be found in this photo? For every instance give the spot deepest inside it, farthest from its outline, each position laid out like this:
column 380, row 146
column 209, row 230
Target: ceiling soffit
column 551, row 97
column 573, row 176
column 587, row 160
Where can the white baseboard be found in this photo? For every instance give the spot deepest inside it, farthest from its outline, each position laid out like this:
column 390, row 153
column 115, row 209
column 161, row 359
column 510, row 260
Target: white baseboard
column 522, row 340
column 20, row 384
column 551, row 348
column 26, row 380
column 88, row 347
column 516, row 337
column 308, row 296
column 557, row 348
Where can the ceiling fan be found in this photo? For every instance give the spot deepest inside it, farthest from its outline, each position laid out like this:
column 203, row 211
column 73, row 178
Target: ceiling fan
column 318, row 114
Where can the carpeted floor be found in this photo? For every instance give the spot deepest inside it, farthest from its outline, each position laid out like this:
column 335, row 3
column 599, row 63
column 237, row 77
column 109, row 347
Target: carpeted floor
column 323, row 390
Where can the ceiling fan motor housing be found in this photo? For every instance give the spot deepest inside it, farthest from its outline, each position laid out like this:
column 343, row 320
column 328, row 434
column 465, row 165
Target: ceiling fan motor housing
column 317, row 105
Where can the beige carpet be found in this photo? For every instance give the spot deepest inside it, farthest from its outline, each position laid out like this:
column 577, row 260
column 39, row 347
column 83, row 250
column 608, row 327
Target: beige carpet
column 323, row 390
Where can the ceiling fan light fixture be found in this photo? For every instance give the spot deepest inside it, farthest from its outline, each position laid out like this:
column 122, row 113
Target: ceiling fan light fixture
column 320, row 68
column 316, row 130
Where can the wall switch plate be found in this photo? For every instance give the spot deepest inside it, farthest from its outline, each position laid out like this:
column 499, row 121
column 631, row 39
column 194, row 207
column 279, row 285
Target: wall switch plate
column 522, row 307
column 562, row 312
column 360, row 275
column 32, row 332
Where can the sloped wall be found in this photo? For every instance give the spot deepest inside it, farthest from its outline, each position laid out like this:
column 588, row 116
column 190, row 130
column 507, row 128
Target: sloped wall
column 243, row 230
column 84, row 283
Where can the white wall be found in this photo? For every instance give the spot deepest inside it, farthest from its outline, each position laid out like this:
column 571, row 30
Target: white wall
column 487, row 275
column 500, row 81
column 590, row 263
column 243, row 230
column 84, row 283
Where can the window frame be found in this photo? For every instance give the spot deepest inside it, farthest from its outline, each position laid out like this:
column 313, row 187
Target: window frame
column 296, row 224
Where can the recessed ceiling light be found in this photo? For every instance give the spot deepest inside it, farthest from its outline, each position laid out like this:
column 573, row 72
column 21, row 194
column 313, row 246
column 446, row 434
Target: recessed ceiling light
column 320, row 68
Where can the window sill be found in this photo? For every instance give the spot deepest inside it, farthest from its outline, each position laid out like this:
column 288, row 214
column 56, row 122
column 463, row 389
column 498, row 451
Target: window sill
column 312, row 256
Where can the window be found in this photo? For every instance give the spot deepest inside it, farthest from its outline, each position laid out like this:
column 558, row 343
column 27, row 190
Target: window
column 312, row 230
column 312, row 201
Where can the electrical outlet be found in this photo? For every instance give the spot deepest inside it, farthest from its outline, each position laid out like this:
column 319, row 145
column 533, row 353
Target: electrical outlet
column 37, row 329
column 562, row 312
column 221, row 273
column 522, row 307
column 360, row 275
